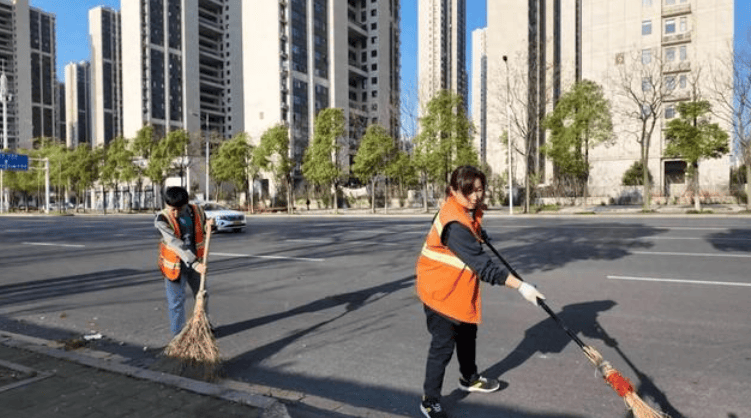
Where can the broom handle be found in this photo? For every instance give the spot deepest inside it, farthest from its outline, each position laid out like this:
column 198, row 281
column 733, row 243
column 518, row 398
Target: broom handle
column 540, row 302
column 205, row 260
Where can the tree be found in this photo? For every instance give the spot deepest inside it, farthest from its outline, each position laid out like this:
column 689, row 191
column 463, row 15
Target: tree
column 143, row 145
column 83, row 169
column 377, row 148
column 319, row 165
column 580, row 121
column 445, row 140
column 640, row 86
column 634, row 176
column 230, row 162
column 117, row 165
column 272, row 154
column 731, row 85
column 163, row 155
column 693, row 137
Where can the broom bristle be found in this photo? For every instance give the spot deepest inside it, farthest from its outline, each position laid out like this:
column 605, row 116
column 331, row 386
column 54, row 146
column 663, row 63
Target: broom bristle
column 623, row 387
column 195, row 344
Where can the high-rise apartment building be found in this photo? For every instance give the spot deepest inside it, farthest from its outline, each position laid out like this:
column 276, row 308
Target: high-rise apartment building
column 552, row 44
column 183, row 65
column 106, row 75
column 303, row 56
column 479, row 109
column 27, row 55
column 441, row 48
column 78, row 104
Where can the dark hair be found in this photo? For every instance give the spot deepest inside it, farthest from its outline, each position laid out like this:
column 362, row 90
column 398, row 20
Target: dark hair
column 463, row 180
column 176, row 196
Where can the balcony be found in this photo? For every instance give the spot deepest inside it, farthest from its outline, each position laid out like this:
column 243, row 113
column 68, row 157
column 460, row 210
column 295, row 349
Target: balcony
column 676, row 9
column 676, row 67
column 676, row 39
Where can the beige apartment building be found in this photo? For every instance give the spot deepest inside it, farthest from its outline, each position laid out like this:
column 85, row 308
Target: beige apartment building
column 303, row 56
column 479, row 110
column 27, row 57
column 78, row 104
column 441, row 37
column 671, row 46
column 106, row 75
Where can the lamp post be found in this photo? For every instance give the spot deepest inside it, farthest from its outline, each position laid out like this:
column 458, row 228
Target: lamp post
column 206, row 129
column 508, row 136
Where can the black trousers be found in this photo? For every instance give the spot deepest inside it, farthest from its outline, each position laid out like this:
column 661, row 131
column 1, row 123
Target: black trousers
column 446, row 335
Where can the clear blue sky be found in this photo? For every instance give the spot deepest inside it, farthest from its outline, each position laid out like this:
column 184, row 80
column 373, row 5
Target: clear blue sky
column 72, row 30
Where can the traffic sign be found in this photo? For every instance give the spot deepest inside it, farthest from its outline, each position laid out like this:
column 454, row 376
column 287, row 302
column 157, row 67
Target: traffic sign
column 14, row 162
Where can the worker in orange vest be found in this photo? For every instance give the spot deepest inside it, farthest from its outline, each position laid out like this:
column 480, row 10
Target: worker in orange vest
column 451, row 264
column 181, row 251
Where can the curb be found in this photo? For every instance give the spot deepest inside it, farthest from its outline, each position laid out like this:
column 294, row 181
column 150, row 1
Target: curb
column 232, row 391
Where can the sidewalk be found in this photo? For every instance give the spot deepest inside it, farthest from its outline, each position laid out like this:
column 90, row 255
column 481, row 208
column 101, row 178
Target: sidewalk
column 40, row 379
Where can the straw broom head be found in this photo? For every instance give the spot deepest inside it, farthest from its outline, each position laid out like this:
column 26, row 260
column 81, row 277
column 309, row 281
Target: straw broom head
column 195, row 345
column 622, row 386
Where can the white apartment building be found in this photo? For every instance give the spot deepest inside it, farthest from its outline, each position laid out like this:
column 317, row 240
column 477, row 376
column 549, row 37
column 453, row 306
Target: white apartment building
column 182, row 68
column 303, row 56
column 27, row 55
column 551, row 44
column 106, row 75
column 441, row 37
column 78, row 104
column 479, row 109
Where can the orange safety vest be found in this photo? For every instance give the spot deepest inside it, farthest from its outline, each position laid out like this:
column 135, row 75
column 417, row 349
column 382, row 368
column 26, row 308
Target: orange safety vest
column 169, row 261
column 444, row 282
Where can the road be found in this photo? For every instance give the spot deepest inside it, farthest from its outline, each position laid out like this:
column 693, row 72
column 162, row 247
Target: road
column 326, row 305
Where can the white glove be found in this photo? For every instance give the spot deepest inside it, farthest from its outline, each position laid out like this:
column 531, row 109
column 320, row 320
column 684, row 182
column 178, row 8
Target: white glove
column 530, row 293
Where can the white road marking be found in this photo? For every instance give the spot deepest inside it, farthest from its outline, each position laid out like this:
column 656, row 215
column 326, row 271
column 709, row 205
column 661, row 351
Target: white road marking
column 51, row 244
column 322, row 241
column 319, row 241
column 274, row 257
column 655, row 279
column 692, row 254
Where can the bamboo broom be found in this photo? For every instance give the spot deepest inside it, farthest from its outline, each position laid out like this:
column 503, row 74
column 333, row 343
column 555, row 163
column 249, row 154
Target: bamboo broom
column 620, row 384
column 195, row 345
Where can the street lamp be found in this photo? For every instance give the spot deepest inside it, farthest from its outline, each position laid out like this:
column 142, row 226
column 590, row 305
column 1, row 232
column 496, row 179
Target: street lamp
column 508, row 136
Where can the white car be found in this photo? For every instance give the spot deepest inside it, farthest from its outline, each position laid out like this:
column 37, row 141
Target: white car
column 224, row 219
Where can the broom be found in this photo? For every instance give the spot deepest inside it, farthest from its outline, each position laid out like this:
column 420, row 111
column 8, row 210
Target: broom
column 195, row 345
column 620, row 384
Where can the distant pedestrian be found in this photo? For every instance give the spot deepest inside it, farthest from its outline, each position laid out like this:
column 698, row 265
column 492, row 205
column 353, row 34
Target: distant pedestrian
column 183, row 227
column 307, row 203
column 449, row 270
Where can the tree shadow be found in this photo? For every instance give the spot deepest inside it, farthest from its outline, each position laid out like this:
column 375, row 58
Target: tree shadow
column 732, row 240
column 350, row 300
column 71, row 285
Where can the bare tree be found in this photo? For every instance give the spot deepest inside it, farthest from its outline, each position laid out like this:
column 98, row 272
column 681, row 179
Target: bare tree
column 640, row 94
column 731, row 86
column 527, row 98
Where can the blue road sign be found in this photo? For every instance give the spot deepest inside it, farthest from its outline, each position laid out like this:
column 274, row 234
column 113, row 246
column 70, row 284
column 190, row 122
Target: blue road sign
column 14, row 162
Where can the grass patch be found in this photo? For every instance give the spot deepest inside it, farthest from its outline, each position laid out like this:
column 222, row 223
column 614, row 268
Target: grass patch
column 589, row 212
column 699, row 212
column 545, row 208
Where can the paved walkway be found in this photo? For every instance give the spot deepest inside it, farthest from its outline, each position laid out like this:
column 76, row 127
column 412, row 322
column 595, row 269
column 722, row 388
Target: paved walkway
column 41, row 379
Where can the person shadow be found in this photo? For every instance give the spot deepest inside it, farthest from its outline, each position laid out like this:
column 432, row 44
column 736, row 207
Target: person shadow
column 547, row 337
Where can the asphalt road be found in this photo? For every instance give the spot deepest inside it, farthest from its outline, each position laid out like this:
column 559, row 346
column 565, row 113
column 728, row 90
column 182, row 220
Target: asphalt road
column 325, row 305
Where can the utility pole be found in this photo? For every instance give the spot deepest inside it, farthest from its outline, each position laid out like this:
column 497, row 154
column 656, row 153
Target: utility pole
column 206, row 129
column 508, row 134
column 4, row 99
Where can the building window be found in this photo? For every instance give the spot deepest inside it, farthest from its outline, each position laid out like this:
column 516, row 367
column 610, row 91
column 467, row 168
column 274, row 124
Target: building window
column 374, row 67
column 682, row 81
column 683, row 53
column 374, row 80
column 669, row 2
column 670, row 82
column 646, row 3
column 374, row 53
column 670, row 112
column 683, row 24
column 373, row 26
column 374, row 93
column 646, row 27
column 646, row 56
column 669, row 26
column 646, row 84
column 669, row 54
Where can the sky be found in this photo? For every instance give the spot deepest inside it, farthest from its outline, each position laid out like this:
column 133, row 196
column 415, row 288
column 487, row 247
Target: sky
column 72, row 31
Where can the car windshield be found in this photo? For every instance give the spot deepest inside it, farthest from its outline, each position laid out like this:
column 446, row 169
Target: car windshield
column 213, row 206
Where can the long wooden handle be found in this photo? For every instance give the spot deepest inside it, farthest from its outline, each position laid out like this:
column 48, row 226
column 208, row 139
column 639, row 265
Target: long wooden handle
column 205, row 259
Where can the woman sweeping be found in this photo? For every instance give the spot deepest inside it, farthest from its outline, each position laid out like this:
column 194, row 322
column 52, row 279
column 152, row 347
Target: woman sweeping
column 449, row 270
